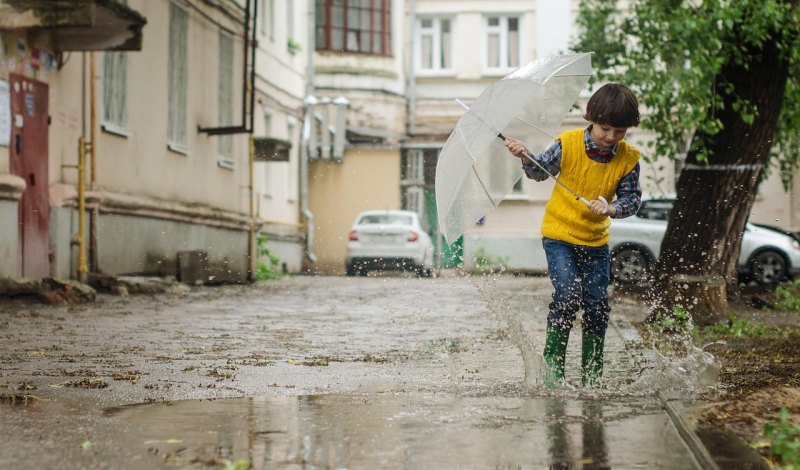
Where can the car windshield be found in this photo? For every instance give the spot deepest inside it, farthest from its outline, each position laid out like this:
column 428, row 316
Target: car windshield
column 387, row 219
column 655, row 210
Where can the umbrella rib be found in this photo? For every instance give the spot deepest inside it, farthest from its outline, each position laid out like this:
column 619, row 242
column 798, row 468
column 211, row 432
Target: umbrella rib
column 488, row 194
column 535, row 127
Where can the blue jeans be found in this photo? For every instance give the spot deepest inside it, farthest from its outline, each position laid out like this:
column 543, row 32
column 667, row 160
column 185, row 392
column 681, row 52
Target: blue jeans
column 580, row 277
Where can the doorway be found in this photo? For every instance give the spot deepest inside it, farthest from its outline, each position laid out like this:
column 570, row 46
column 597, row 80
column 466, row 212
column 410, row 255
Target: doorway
column 28, row 155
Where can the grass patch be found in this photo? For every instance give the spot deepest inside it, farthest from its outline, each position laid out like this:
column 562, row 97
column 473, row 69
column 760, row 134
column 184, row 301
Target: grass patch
column 734, row 328
column 787, row 296
column 785, row 438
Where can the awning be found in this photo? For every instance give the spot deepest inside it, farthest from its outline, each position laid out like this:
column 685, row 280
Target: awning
column 77, row 25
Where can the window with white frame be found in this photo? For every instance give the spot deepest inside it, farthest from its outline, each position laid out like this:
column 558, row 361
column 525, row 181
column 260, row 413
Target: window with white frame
column 502, row 42
column 291, row 129
column 225, row 98
column 415, row 200
column 115, row 92
column 266, row 175
column 415, row 169
column 178, row 65
column 290, row 19
column 434, row 44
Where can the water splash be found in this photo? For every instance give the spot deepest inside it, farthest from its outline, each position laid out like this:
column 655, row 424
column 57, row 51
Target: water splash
column 532, row 360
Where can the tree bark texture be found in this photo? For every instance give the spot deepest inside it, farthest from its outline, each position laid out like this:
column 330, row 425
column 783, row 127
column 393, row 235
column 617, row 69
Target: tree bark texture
column 713, row 202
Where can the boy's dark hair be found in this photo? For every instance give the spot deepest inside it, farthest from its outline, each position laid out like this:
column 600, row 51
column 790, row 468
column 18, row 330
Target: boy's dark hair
column 613, row 104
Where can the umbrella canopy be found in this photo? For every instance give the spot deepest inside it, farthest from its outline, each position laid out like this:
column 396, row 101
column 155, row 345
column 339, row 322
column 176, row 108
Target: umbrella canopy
column 474, row 171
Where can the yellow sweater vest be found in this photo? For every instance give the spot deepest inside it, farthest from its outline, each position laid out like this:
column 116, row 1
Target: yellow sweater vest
column 568, row 219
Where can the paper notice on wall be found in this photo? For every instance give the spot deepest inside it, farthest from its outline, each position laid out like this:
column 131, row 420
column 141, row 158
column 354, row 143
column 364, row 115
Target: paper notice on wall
column 5, row 114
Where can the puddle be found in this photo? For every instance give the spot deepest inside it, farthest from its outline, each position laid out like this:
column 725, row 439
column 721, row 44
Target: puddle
column 406, row 431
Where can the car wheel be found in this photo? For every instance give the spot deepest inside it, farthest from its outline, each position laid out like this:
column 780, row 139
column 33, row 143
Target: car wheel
column 630, row 265
column 768, row 267
column 350, row 270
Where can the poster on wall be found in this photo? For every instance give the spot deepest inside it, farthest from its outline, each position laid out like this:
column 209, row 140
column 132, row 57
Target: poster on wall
column 5, row 114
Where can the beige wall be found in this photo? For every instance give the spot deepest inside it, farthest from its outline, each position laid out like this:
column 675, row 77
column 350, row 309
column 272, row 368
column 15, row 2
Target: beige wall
column 366, row 179
column 140, row 163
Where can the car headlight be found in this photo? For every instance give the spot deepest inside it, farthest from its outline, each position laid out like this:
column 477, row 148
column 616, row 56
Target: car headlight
column 796, row 245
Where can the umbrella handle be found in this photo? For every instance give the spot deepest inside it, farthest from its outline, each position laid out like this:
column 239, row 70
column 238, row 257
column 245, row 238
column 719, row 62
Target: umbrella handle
column 603, row 200
column 600, row 198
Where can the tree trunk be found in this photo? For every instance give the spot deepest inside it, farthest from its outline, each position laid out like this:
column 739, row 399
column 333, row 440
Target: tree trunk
column 704, row 234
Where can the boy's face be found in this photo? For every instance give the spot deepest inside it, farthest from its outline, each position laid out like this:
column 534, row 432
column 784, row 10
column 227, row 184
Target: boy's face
column 606, row 135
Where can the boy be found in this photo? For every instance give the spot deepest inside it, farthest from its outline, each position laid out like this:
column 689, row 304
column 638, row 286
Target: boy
column 597, row 164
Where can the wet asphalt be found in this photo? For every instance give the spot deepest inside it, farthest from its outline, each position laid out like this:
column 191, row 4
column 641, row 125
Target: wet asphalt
column 385, row 371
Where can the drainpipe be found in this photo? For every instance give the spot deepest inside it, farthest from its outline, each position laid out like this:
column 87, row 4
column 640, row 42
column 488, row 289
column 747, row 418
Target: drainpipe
column 82, row 268
column 251, row 239
column 92, row 147
column 308, row 122
column 411, row 107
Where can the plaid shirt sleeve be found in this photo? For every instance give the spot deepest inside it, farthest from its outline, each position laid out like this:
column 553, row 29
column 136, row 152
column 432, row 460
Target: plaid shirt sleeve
column 629, row 195
column 550, row 160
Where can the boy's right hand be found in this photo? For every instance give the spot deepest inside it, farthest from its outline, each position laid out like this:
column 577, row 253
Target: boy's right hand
column 516, row 148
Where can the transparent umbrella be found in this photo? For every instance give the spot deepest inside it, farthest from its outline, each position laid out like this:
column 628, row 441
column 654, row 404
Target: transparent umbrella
column 474, row 172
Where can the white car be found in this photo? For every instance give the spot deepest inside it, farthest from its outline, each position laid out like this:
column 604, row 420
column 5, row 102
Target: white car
column 768, row 255
column 388, row 240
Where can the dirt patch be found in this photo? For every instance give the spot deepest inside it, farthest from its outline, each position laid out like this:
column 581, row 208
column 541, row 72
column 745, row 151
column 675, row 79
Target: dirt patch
column 757, row 349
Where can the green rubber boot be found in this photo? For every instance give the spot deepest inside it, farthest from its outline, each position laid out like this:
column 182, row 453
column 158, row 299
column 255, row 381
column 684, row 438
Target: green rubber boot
column 592, row 359
column 555, row 354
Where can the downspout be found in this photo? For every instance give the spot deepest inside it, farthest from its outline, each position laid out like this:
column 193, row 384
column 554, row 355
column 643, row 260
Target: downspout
column 308, row 121
column 411, row 108
column 252, row 256
column 92, row 147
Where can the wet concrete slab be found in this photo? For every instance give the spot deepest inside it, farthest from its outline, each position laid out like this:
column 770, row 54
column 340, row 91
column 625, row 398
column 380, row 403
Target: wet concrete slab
column 402, row 431
column 392, row 368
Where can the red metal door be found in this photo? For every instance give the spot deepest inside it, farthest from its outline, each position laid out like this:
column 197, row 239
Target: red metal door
column 28, row 159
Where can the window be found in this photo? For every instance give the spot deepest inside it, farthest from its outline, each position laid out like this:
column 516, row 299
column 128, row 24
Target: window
column 415, row 170
column 291, row 129
column 178, row 29
column 266, row 175
column 115, row 92
column 434, row 45
column 415, row 200
column 502, row 42
column 225, row 98
column 517, row 186
column 290, row 18
column 354, row 26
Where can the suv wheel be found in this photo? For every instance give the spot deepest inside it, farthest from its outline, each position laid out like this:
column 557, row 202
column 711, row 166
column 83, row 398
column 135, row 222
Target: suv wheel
column 768, row 267
column 630, row 265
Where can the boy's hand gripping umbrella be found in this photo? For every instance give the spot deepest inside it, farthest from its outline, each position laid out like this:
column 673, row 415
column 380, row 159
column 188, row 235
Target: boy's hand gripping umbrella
column 473, row 173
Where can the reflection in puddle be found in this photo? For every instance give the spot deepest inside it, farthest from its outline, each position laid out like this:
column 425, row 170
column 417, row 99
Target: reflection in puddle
column 408, row 431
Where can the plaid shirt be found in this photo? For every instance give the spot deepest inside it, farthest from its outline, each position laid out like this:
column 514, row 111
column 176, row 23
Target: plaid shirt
column 629, row 192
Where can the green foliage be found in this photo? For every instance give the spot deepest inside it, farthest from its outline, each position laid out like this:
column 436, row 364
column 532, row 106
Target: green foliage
column 785, row 440
column 787, row 296
column 735, row 328
column 292, row 46
column 488, row 264
column 670, row 332
column 673, row 53
column 267, row 267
